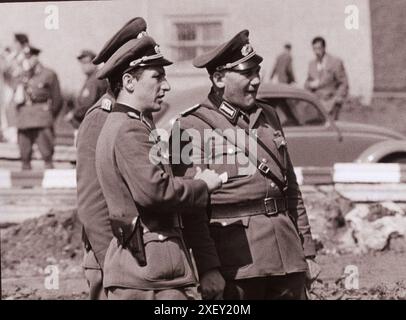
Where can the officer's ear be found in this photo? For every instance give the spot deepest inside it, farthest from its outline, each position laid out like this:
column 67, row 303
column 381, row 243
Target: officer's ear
column 128, row 82
column 218, row 79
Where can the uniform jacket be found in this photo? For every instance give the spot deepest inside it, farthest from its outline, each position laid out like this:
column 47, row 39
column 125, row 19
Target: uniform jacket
column 134, row 185
column 90, row 93
column 256, row 245
column 42, row 101
column 333, row 82
column 283, row 69
column 92, row 207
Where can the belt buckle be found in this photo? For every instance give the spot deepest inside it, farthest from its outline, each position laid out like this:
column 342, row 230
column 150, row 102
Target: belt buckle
column 269, row 212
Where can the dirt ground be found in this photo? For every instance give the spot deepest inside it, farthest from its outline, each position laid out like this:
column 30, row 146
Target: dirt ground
column 54, row 239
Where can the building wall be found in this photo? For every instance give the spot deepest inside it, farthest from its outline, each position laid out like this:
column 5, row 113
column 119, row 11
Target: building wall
column 389, row 46
column 271, row 23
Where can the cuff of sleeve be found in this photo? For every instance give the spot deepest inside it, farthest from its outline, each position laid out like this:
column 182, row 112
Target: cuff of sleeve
column 200, row 193
column 204, row 263
column 309, row 246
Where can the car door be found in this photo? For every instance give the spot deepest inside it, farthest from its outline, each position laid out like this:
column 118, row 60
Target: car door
column 313, row 140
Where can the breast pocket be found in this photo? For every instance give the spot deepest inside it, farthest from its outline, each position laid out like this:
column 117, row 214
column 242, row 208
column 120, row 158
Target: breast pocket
column 230, row 159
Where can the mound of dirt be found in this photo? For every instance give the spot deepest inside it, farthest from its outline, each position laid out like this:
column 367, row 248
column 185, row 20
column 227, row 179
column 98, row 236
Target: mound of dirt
column 54, row 239
column 337, row 291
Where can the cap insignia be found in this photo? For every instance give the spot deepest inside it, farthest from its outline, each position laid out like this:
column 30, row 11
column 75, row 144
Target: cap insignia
column 142, row 34
column 246, row 49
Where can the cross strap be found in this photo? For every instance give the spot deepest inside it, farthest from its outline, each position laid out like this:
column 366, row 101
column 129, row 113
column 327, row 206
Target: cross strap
column 261, row 166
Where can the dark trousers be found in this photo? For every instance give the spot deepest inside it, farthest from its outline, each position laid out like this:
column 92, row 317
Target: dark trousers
column 43, row 137
column 335, row 111
column 286, row 287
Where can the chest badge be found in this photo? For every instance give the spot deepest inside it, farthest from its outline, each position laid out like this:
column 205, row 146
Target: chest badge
column 279, row 139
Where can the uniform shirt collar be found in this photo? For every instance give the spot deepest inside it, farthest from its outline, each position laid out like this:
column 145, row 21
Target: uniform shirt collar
column 134, row 113
column 230, row 111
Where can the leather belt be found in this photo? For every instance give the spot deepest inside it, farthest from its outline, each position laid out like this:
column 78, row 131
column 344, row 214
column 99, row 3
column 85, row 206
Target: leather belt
column 126, row 226
column 267, row 206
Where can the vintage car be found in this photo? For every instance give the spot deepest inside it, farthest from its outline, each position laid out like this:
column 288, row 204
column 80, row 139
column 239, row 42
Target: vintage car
column 314, row 139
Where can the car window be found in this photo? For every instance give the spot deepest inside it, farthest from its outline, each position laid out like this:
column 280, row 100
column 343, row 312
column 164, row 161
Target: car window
column 297, row 112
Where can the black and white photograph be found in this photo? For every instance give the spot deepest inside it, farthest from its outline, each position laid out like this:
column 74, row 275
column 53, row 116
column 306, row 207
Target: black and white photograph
column 207, row 150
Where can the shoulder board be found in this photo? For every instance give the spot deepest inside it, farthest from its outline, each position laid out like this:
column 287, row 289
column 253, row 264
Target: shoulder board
column 189, row 110
column 106, row 105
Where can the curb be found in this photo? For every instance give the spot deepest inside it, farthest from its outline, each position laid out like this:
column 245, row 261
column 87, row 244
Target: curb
column 341, row 173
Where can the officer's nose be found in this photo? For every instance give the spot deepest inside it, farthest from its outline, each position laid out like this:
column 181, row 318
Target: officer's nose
column 165, row 85
column 256, row 80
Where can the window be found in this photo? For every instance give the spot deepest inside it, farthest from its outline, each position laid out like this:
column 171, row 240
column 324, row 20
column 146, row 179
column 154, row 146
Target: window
column 297, row 112
column 194, row 38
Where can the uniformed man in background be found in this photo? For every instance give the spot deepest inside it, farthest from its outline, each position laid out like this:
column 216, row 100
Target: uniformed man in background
column 92, row 207
column 91, row 90
column 147, row 258
column 36, row 109
column 257, row 219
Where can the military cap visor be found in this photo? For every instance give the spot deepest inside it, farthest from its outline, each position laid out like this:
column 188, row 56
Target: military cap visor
column 131, row 30
column 236, row 54
column 142, row 52
column 86, row 53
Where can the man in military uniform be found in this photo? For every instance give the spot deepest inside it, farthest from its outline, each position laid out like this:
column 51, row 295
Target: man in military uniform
column 15, row 63
column 17, row 59
column 91, row 91
column 147, row 258
column 92, row 206
column 36, row 110
column 257, row 219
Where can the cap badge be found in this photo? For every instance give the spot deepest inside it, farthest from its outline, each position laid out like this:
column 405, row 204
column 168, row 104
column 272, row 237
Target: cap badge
column 142, row 34
column 279, row 139
column 157, row 49
column 246, row 49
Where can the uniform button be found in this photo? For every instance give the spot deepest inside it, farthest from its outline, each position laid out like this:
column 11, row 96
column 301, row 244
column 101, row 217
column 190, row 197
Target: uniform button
column 264, row 160
column 230, row 150
column 273, row 185
column 160, row 237
column 224, row 223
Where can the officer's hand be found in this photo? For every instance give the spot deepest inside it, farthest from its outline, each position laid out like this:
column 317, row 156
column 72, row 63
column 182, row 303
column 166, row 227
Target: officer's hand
column 312, row 272
column 210, row 177
column 212, row 285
